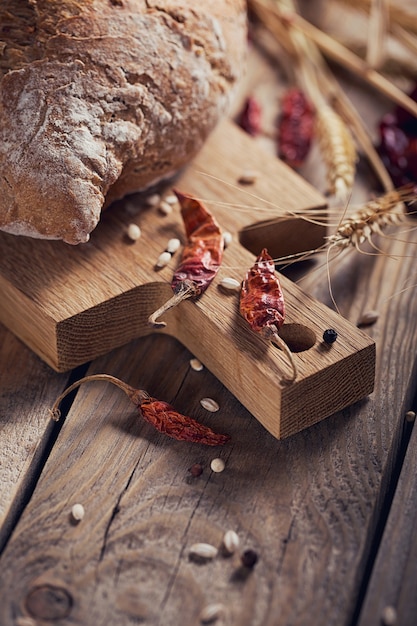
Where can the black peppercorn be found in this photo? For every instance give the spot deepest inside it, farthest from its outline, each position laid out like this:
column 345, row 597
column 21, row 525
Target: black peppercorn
column 249, row 558
column 329, row 335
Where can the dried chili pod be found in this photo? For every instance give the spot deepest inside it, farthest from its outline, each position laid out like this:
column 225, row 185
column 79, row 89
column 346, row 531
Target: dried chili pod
column 161, row 415
column 295, row 127
column 262, row 303
column 201, row 258
column 249, row 118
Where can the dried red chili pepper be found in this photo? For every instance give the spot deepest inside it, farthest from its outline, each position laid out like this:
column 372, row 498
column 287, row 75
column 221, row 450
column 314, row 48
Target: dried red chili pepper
column 161, row 415
column 295, row 128
column 249, row 118
column 201, row 258
column 262, row 303
column 398, row 144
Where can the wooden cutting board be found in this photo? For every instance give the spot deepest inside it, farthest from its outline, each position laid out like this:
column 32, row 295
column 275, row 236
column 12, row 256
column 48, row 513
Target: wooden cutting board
column 72, row 304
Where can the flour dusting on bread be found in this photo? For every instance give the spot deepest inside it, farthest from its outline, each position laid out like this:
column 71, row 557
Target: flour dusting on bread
column 100, row 99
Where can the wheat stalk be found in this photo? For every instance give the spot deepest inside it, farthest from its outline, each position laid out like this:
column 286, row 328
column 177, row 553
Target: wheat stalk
column 377, row 32
column 347, row 59
column 397, row 14
column 316, row 78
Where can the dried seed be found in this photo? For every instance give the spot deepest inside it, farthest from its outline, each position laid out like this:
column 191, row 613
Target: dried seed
column 203, row 551
column 249, row 558
column 410, row 416
column 165, row 208
column 78, row 512
column 163, row 259
column 329, row 336
column 217, row 465
column 133, row 232
column 171, row 199
column 368, row 318
column 209, row 404
column 196, row 470
column 173, row 245
column 230, row 284
column 227, row 239
column 196, row 365
column 211, row 613
column 248, row 177
column 153, row 200
column 389, row 616
column 231, row 541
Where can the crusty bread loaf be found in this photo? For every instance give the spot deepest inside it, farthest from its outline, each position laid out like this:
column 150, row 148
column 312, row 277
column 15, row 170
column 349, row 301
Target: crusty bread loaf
column 100, row 98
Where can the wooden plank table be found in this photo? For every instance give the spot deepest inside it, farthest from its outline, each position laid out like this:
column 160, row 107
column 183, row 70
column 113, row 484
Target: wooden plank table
column 330, row 511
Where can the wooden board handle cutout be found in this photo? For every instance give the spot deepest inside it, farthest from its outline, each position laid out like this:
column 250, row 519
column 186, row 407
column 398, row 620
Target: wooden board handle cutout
column 73, row 304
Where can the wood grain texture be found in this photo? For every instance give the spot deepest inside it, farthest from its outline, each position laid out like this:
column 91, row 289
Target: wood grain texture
column 307, row 505
column 25, row 384
column 393, row 582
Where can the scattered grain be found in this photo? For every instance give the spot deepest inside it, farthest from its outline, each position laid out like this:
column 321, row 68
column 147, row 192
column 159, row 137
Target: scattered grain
column 196, row 365
column 249, row 558
column 410, row 416
column 163, row 259
column 211, row 612
column 230, row 284
column 173, row 245
column 133, row 232
column 389, row 616
column 171, row 199
column 368, row 318
column 209, row 404
column 203, row 551
column 217, row 465
column 230, row 541
column 165, row 208
column 153, row 200
column 227, row 239
column 77, row 512
column 248, row 177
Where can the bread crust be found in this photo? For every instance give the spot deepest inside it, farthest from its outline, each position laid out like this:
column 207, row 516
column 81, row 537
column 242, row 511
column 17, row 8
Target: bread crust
column 102, row 98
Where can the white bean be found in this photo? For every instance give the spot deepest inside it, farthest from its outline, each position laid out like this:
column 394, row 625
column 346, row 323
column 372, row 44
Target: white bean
column 203, row 551
column 78, row 512
column 163, row 259
column 209, row 404
column 133, row 232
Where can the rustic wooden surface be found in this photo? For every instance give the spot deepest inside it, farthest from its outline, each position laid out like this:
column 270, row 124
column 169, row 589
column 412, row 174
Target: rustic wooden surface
column 393, row 584
column 313, row 506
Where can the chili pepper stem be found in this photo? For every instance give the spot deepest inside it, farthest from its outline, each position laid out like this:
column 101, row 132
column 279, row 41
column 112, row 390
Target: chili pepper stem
column 281, row 343
column 186, row 289
column 136, row 395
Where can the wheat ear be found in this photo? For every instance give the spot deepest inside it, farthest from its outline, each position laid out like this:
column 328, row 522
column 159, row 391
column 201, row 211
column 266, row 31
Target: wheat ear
column 338, row 151
column 372, row 218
